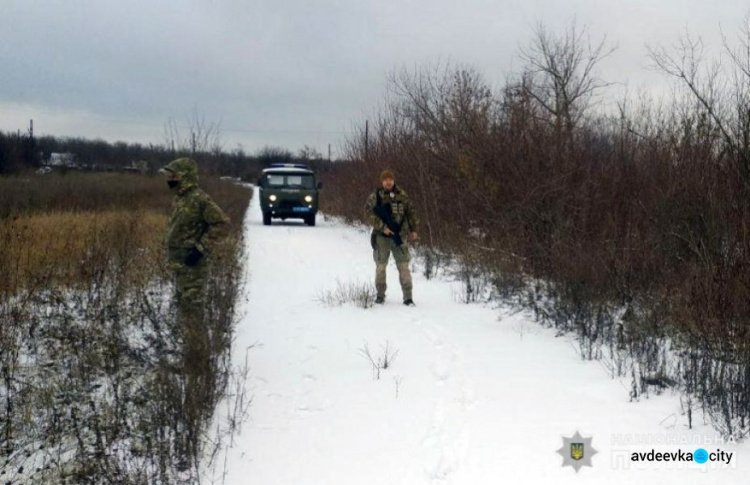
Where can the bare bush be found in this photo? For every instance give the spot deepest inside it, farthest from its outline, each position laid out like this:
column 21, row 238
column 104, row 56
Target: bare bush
column 361, row 294
column 382, row 361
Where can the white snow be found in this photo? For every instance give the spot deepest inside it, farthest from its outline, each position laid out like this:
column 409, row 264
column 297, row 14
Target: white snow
column 476, row 395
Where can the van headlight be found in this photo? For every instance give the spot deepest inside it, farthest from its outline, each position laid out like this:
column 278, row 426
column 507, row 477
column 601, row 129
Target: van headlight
column 272, row 198
column 308, row 198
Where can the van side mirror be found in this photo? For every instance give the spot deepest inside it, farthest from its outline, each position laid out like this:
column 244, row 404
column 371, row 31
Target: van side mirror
column 320, row 185
column 260, row 182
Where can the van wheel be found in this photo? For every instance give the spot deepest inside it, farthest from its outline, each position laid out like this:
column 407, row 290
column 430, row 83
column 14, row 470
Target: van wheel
column 266, row 219
column 310, row 220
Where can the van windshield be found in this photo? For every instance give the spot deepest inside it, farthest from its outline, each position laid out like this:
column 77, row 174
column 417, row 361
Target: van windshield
column 296, row 181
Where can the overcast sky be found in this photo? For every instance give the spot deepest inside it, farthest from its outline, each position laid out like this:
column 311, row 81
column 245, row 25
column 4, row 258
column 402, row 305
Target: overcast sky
column 288, row 73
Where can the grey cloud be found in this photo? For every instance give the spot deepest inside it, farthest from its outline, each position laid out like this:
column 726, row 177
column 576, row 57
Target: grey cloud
column 288, row 72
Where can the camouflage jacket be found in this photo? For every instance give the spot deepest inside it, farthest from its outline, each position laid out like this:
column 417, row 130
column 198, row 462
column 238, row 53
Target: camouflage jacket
column 196, row 222
column 401, row 208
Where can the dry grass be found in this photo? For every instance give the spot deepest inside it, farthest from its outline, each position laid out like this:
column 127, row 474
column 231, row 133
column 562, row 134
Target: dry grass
column 362, row 294
column 58, row 247
column 81, row 192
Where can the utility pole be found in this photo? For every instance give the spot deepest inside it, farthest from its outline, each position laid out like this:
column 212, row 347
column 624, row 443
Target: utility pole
column 329, row 152
column 29, row 156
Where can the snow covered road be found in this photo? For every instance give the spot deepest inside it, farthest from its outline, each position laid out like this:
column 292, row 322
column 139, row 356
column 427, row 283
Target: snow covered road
column 476, row 395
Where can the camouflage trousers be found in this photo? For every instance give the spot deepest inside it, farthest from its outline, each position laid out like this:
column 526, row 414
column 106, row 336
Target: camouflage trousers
column 190, row 289
column 384, row 246
column 190, row 296
column 190, row 285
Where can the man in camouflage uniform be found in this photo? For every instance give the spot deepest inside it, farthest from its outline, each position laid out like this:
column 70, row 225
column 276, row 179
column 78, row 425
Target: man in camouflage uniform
column 196, row 224
column 390, row 206
column 195, row 228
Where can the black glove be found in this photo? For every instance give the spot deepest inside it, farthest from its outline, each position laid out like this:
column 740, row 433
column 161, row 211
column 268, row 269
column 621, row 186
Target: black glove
column 193, row 257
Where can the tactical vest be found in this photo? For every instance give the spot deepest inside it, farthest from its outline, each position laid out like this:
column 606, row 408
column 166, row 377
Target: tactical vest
column 397, row 204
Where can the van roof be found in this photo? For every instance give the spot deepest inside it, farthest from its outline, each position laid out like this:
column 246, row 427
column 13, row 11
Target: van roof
column 281, row 170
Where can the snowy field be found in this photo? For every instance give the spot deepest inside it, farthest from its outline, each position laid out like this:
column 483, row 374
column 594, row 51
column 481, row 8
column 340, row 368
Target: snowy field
column 475, row 395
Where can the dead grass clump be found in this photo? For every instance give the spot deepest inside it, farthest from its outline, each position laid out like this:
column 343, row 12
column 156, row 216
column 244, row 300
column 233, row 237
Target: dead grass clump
column 361, row 294
column 63, row 248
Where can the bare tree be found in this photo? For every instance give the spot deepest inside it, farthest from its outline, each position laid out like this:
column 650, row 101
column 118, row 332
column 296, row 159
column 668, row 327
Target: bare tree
column 722, row 90
column 269, row 155
column 172, row 136
column 740, row 75
column 560, row 72
column 205, row 136
column 308, row 153
column 200, row 136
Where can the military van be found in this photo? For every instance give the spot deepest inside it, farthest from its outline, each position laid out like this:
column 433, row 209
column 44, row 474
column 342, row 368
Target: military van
column 288, row 191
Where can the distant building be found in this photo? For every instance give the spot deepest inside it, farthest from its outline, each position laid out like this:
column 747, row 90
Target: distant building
column 141, row 166
column 62, row 160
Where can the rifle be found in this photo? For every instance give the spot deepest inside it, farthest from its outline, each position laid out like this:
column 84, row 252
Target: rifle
column 385, row 213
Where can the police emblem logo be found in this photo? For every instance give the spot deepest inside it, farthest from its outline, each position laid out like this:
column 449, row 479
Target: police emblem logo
column 577, row 451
